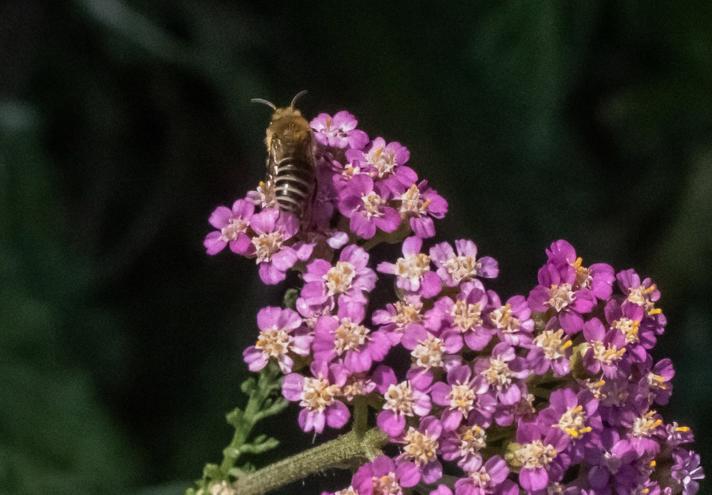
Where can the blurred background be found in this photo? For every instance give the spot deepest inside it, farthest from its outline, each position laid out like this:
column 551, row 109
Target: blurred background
column 124, row 123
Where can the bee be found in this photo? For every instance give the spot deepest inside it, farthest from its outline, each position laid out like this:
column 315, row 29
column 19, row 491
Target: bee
column 290, row 159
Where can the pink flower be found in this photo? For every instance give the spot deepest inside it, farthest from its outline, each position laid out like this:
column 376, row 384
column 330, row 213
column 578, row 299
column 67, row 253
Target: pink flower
column 413, row 270
column 348, row 279
column 511, row 320
column 485, row 479
column 421, row 204
column 338, row 131
column 386, row 164
column 462, row 320
column 282, row 335
column 463, row 265
column 367, row 208
column 382, row 477
column 232, row 225
column 317, row 395
column 557, row 291
column 420, row 447
column 402, row 401
column 345, row 339
column 272, row 229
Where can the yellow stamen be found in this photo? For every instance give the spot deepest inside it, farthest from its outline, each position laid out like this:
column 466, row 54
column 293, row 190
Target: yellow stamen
column 650, row 289
column 566, row 345
column 655, row 311
column 578, row 262
column 682, row 429
column 652, row 464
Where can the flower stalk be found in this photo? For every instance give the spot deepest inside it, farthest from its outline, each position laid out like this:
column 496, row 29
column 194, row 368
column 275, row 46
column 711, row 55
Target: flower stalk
column 347, row 451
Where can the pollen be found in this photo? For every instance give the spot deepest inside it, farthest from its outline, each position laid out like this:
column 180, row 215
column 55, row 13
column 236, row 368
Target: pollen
column 274, row 342
column 573, row 422
column 419, row 447
column 383, row 161
column 429, row 353
column 503, row 319
column 233, row 229
column 412, row 202
column 472, row 439
column 560, row 296
column 412, row 266
column 498, row 373
column 399, row 399
column 606, row 354
column 340, row 277
column 386, row 485
column 266, row 245
column 349, row 336
column 318, row 394
column 583, row 274
column 462, row 398
column 629, row 328
column 645, row 425
column 461, row 268
column 553, row 343
column 466, row 316
column 372, row 203
column 534, row 455
column 407, row 313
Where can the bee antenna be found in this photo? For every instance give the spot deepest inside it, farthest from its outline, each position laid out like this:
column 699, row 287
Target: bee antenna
column 264, row 102
column 296, row 97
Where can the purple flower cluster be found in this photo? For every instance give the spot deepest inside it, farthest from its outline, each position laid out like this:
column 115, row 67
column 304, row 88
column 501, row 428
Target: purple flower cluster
column 553, row 392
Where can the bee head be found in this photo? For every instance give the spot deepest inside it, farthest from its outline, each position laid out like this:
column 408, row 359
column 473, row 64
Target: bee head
column 287, row 123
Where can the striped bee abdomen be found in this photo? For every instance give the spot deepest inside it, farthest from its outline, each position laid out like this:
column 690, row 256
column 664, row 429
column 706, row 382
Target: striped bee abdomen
column 293, row 180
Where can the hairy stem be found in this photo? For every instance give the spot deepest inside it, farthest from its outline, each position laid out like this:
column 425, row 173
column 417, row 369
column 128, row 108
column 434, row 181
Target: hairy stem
column 347, row 449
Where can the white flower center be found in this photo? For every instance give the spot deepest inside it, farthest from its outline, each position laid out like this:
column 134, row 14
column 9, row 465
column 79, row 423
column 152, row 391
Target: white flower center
column 383, row 161
column 606, row 354
column 413, row 266
column 552, row 343
column 645, row 425
column 233, row 229
column 419, row 447
column 274, row 342
column 657, row 382
column 629, row 328
column 407, row 313
column 411, row 202
column 372, row 204
column 561, row 296
column 462, row 398
column 503, row 319
column 461, row 267
column 481, row 478
column 399, row 399
column 354, row 388
column 428, row 353
column 339, row 277
column 573, row 422
column 266, row 245
column 466, row 316
column 534, row 455
column 350, row 170
column 348, row 336
column 498, row 374
column 318, row 394
column 472, row 439
column 386, row 485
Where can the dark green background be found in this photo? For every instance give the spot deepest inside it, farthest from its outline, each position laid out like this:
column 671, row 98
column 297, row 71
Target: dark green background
column 122, row 125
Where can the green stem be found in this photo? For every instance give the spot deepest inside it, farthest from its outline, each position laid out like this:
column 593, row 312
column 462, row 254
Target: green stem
column 344, row 450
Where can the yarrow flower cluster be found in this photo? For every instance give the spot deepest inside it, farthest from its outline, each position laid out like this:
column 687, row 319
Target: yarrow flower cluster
column 549, row 392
